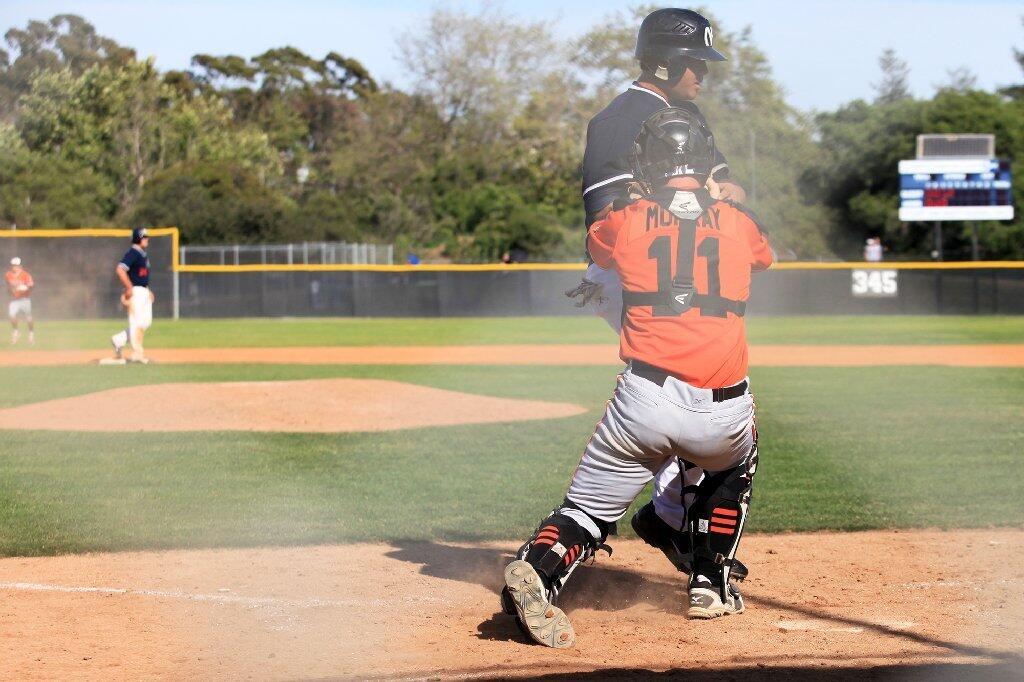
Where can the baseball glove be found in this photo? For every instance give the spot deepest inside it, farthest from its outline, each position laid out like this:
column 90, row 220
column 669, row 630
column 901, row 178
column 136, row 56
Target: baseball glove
column 586, row 292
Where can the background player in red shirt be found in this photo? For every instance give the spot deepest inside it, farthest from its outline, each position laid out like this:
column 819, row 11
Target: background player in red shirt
column 19, row 285
column 685, row 260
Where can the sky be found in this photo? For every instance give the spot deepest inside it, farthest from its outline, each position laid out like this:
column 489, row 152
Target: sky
column 823, row 53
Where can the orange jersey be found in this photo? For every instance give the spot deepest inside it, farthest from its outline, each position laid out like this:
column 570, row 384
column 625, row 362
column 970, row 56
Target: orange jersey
column 702, row 338
column 18, row 279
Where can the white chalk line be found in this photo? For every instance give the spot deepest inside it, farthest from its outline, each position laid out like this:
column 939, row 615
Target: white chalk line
column 825, row 626
column 252, row 602
column 974, row 584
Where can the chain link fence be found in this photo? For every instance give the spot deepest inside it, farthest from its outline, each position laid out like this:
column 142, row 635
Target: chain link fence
column 301, row 253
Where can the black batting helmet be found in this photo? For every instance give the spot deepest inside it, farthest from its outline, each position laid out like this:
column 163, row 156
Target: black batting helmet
column 668, row 37
column 673, row 142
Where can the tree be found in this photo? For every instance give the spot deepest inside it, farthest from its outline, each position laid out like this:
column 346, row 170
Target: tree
column 894, row 85
column 66, row 41
column 325, row 216
column 546, row 149
column 1016, row 91
column 385, row 168
column 478, row 69
column 215, row 202
column 128, row 124
column 863, row 144
column 960, row 79
column 305, row 105
column 37, row 190
column 481, row 156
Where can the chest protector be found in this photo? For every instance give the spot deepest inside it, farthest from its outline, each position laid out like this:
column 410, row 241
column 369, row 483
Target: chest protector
column 677, row 294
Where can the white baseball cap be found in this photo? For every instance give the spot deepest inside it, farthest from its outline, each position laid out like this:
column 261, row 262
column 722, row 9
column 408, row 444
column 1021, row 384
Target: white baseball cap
column 15, row 261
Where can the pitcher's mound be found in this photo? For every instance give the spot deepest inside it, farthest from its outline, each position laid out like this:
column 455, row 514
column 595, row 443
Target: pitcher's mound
column 318, row 406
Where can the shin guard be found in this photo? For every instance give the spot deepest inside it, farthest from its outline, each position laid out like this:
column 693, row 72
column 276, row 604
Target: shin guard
column 717, row 519
column 560, row 544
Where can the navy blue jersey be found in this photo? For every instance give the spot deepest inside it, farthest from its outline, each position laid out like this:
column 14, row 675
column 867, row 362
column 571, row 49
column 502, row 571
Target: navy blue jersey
column 610, row 138
column 136, row 263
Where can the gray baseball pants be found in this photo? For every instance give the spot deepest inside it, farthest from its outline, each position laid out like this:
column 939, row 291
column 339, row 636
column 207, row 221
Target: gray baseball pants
column 644, row 427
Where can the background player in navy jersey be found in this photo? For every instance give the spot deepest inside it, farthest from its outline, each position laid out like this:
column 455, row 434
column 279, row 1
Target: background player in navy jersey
column 673, row 47
column 133, row 272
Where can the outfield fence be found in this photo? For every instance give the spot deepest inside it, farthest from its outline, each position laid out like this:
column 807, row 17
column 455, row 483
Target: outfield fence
column 74, row 272
column 512, row 290
column 74, row 275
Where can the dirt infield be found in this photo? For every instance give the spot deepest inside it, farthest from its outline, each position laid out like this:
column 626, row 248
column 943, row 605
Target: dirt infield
column 313, row 406
column 921, row 602
column 981, row 355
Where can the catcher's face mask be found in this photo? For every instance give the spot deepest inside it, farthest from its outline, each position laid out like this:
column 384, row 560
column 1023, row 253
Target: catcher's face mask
column 672, row 143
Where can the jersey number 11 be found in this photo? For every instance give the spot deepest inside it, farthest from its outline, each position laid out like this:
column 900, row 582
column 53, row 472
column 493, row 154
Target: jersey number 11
column 661, row 251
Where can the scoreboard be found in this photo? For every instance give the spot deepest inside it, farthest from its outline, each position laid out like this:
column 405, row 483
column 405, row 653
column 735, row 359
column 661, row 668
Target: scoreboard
column 955, row 189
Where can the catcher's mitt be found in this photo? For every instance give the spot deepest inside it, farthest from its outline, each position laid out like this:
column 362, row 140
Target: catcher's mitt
column 586, row 292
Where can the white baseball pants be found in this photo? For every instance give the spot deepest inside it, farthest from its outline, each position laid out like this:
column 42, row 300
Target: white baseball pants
column 644, row 428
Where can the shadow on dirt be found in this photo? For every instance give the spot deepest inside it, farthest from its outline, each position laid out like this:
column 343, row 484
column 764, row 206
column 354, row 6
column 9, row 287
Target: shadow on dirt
column 925, row 672
column 943, row 672
column 908, row 635
column 590, row 585
column 483, row 566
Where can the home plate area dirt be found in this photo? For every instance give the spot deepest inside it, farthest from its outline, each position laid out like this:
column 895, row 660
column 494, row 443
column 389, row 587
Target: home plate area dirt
column 876, row 605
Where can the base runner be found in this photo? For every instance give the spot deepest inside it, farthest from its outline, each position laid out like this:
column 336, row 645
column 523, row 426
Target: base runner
column 19, row 285
column 133, row 272
column 685, row 262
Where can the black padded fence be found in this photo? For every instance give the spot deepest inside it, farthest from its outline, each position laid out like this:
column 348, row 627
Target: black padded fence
column 428, row 293
column 74, row 275
column 423, row 293
column 926, row 291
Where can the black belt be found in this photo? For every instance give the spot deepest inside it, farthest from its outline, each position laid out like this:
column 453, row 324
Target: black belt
column 658, row 376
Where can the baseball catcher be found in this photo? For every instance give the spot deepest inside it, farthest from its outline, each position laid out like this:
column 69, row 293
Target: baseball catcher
column 673, row 48
column 685, row 261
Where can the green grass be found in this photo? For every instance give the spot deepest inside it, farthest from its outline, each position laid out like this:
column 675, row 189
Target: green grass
column 840, row 448
column 93, row 334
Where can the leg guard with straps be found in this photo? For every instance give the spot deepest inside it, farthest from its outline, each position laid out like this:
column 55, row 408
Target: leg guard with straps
column 717, row 518
column 562, row 541
column 662, row 523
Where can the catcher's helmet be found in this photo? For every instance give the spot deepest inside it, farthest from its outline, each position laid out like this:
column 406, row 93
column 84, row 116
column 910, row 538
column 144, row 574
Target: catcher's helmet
column 668, row 37
column 673, row 142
